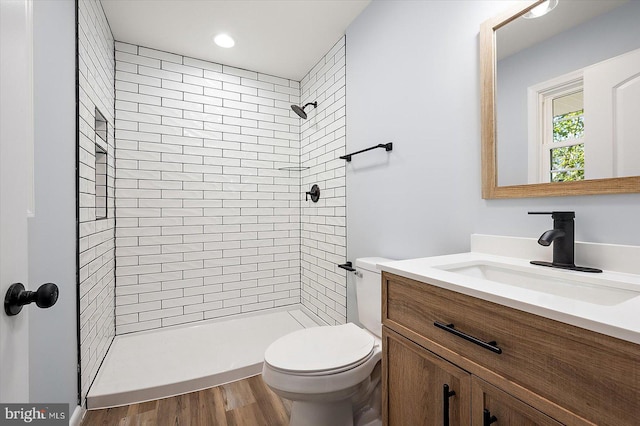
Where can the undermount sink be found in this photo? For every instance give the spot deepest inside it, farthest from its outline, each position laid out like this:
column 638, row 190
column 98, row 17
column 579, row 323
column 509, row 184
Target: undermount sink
column 499, row 271
column 567, row 284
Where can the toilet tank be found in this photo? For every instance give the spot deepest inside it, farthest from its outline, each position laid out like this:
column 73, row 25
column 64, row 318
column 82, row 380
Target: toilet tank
column 369, row 293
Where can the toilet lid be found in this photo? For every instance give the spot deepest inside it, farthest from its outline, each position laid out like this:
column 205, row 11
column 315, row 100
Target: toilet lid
column 320, row 348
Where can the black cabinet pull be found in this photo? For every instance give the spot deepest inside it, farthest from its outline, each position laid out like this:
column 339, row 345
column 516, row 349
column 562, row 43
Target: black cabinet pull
column 446, row 394
column 492, row 346
column 487, row 418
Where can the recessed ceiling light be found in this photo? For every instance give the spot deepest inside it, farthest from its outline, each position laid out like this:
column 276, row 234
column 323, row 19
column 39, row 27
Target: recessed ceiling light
column 541, row 9
column 224, row 40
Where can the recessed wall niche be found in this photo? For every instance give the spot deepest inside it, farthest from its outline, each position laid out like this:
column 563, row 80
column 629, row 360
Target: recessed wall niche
column 101, row 126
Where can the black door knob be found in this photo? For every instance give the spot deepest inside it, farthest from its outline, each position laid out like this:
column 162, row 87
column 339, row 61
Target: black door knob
column 16, row 297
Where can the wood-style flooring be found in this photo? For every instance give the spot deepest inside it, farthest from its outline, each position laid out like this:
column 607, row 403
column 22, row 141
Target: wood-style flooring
column 247, row 402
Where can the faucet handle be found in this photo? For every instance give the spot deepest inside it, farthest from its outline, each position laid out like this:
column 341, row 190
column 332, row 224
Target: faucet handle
column 565, row 215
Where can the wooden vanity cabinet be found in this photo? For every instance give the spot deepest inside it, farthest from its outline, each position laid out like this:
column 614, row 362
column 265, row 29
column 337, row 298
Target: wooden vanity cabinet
column 490, row 402
column 414, row 391
column 414, row 385
column 546, row 373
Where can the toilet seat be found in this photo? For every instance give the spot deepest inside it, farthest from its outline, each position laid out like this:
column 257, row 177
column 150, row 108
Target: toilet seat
column 320, row 351
column 332, row 374
column 326, row 385
column 325, row 372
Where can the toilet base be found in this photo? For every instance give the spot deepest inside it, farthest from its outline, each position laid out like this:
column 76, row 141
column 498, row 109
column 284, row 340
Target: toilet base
column 367, row 409
column 305, row 413
column 362, row 408
column 350, row 397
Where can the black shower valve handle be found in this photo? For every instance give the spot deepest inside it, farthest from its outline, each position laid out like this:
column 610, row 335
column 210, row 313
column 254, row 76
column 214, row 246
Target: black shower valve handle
column 314, row 192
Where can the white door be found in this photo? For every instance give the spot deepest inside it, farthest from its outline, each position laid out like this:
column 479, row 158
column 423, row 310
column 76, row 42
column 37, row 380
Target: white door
column 16, row 162
column 611, row 111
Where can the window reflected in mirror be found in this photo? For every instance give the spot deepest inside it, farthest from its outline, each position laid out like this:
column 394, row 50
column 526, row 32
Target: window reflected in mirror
column 565, row 148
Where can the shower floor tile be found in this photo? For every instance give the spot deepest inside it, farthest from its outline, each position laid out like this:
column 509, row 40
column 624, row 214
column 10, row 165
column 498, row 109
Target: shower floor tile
column 160, row 363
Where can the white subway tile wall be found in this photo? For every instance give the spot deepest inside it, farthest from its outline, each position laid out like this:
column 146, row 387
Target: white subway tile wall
column 97, row 268
column 323, row 242
column 208, row 224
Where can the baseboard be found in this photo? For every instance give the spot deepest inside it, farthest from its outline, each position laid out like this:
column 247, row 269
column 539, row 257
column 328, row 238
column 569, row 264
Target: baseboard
column 76, row 417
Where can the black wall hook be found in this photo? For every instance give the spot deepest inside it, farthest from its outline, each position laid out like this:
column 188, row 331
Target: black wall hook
column 315, row 194
column 45, row 297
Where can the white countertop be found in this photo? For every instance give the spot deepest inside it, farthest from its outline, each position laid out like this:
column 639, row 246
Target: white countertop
column 620, row 319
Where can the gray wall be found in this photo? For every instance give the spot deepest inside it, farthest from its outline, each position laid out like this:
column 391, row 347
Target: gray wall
column 604, row 37
column 52, row 232
column 413, row 79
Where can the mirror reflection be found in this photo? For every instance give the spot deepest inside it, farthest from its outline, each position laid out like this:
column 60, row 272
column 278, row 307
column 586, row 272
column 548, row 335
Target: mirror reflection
column 568, row 93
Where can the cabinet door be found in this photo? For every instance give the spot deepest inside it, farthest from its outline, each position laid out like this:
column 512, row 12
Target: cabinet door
column 414, row 382
column 491, row 405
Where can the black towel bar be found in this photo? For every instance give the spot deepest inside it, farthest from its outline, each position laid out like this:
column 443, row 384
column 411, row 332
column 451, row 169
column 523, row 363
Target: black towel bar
column 386, row 146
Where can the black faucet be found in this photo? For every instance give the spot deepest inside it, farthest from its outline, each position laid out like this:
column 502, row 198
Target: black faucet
column 562, row 237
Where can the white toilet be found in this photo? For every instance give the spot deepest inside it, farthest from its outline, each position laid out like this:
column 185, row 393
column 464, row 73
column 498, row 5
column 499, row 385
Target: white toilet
column 332, row 373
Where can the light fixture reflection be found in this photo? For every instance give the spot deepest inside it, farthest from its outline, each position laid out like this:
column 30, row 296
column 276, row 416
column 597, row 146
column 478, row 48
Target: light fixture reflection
column 541, row 9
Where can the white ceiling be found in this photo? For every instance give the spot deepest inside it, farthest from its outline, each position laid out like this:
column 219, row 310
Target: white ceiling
column 285, row 38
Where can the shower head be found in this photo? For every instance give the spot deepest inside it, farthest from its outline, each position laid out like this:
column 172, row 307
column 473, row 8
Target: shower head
column 300, row 110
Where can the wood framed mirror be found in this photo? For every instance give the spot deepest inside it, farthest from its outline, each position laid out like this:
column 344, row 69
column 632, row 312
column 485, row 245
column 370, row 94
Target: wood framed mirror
column 515, row 162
